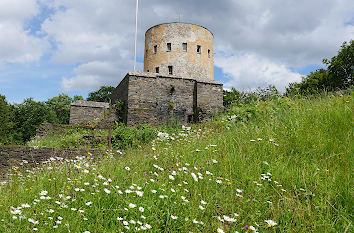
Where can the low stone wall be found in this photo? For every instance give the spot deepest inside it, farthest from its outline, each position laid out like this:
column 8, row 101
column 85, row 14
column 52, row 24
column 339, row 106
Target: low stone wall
column 15, row 155
column 47, row 128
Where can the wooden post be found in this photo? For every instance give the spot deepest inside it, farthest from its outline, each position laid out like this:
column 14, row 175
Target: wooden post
column 109, row 137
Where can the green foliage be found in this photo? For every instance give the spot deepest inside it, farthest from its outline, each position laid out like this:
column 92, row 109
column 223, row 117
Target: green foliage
column 124, row 137
column 61, row 107
column 120, row 108
column 338, row 75
column 74, row 137
column 236, row 98
column 6, row 125
column 31, row 114
column 291, row 163
column 101, row 95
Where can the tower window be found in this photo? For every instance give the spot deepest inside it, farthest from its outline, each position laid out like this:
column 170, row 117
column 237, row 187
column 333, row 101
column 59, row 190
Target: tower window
column 157, row 70
column 168, row 47
column 170, row 70
column 155, row 48
column 199, row 49
column 209, row 53
column 184, row 47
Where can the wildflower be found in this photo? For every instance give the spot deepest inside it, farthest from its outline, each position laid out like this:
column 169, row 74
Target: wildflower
column 174, row 217
column 125, row 223
column 131, row 205
column 88, row 203
column 171, row 177
column 141, row 209
column 127, row 168
column 25, row 205
column 259, row 139
column 215, row 161
column 218, row 181
column 194, row 177
column 119, row 218
column 219, row 230
column 239, row 190
column 139, row 193
column 107, row 191
column 270, row 223
column 43, row 193
column 132, row 221
column 153, row 191
column 201, row 207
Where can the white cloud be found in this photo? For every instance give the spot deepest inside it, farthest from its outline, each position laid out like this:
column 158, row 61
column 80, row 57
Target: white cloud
column 16, row 44
column 250, row 71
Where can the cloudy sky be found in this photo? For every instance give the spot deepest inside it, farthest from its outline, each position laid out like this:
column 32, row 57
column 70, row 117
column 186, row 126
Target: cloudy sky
column 49, row 47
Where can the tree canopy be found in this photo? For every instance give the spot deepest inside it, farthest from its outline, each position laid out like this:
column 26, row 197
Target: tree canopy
column 338, row 75
column 101, row 95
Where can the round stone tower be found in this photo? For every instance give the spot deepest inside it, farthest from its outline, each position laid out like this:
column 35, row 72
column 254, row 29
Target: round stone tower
column 181, row 49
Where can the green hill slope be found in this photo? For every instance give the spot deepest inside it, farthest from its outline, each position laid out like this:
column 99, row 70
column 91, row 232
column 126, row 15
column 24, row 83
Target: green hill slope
column 279, row 166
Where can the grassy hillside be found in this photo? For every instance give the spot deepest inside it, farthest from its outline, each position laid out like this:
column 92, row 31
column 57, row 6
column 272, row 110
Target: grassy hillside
column 279, row 166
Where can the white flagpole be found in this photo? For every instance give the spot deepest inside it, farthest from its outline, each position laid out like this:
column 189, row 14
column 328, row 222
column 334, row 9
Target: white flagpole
column 136, row 31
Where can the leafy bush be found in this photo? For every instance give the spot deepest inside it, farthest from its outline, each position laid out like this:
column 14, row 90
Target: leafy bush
column 123, row 136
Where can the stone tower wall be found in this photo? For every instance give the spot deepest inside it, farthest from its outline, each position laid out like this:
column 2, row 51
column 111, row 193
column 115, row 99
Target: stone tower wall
column 188, row 63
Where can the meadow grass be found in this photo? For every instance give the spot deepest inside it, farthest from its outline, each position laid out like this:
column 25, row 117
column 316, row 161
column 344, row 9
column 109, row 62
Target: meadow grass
column 279, row 166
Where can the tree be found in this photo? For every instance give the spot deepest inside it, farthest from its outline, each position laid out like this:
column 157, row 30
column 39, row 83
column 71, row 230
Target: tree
column 61, row 107
column 101, row 95
column 6, row 126
column 338, row 75
column 29, row 115
column 341, row 67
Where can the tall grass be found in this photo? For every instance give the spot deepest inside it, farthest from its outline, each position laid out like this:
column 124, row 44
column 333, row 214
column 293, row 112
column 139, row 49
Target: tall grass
column 289, row 161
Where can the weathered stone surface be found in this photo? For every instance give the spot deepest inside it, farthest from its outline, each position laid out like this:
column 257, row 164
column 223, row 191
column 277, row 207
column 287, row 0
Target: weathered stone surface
column 188, row 63
column 15, row 155
column 85, row 111
column 154, row 99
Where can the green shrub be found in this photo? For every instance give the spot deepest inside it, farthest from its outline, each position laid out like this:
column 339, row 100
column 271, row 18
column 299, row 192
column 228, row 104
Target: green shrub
column 124, row 137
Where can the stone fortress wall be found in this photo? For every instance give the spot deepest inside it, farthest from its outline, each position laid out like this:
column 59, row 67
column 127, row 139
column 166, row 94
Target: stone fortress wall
column 189, row 53
column 154, row 99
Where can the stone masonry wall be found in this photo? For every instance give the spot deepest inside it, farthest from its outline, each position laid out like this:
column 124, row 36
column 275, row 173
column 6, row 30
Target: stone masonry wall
column 15, row 155
column 209, row 99
column 154, row 99
column 84, row 114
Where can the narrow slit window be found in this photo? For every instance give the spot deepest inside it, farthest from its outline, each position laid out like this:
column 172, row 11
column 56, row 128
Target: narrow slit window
column 155, row 48
column 168, row 47
column 184, row 47
column 148, row 70
column 199, row 49
column 209, row 53
column 157, row 70
column 170, row 70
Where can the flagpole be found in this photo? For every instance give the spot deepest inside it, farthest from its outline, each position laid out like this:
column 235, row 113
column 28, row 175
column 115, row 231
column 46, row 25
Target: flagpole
column 136, row 31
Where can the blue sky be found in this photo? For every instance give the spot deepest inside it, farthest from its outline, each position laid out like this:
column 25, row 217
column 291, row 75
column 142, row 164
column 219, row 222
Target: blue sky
column 48, row 47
